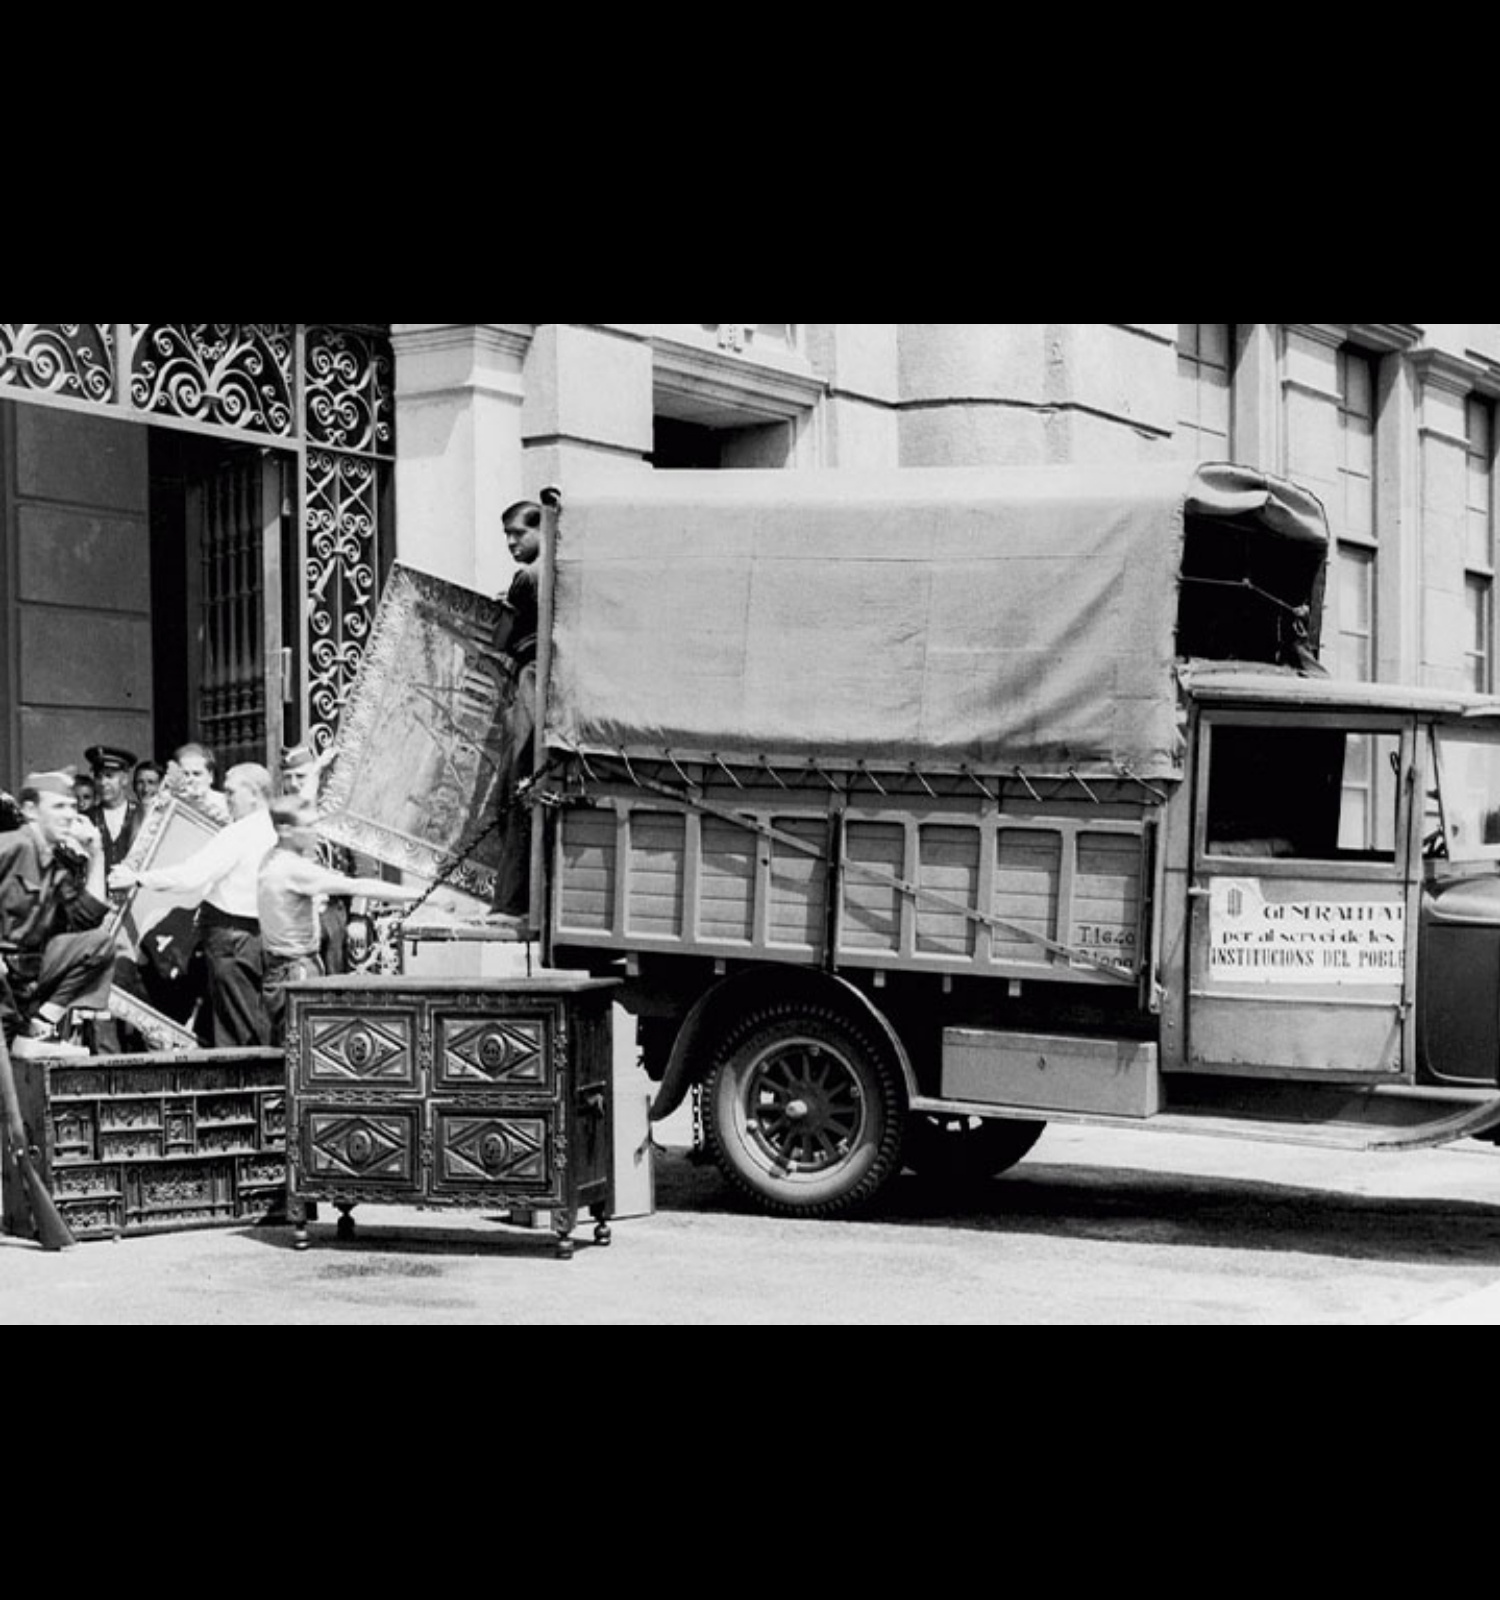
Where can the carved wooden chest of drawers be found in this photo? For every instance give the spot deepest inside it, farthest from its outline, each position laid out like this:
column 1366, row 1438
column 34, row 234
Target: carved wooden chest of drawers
column 133, row 1144
column 452, row 1093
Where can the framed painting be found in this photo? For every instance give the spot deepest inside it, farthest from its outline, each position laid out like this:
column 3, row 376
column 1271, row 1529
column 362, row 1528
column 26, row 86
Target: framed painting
column 422, row 739
column 149, row 923
column 158, row 1030
column 172, row 830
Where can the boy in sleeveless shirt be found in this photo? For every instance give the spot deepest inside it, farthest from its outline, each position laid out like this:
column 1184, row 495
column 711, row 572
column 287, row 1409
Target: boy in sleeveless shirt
column 288, row 890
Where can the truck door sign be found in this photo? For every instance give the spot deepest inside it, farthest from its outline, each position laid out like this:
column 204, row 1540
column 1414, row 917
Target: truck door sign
column 1254, row 940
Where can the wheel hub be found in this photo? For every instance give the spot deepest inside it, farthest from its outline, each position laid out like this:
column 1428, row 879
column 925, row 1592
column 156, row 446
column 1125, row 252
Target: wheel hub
column 804, row 1107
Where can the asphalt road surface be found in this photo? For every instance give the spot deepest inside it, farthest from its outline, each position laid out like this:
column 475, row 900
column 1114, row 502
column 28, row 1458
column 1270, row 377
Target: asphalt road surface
column 1093, row 1228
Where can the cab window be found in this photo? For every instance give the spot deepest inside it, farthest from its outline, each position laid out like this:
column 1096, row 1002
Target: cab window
column 1278, row 792
column 1462, row 821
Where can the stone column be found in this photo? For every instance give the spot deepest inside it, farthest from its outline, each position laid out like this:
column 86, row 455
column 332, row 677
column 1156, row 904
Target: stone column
column 1398, row 518
column 1258, row 437
column 861, row 363
column 1442, row 603
column 1025, row 393
column 460, row 389
column 973, row 393
column 588, row 412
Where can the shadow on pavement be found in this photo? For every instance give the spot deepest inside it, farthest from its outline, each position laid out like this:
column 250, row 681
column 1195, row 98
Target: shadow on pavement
column 1124, row 1206
column 379, row 1233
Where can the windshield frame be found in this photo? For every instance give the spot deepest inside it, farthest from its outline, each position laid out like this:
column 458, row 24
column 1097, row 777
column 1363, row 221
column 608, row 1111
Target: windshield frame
column 1451, row 813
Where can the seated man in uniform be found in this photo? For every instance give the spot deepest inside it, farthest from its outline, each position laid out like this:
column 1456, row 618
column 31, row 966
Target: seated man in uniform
column 54, row 953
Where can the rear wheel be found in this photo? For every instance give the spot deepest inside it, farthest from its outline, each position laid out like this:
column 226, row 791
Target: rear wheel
column 803, row 1112
column 953, row 1148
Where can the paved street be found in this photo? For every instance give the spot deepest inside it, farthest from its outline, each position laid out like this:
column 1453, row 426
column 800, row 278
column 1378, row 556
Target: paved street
column 1095, row 1228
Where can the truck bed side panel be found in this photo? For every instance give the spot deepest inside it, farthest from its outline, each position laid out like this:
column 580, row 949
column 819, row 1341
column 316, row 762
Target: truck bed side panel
column 635, row 872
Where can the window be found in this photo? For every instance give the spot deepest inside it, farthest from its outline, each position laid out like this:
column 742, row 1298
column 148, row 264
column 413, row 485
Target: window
column 1298, row 793
column 1356, row 613
column 1479, row 597
column 1468, row 788
column 1355, row 575
column 1356, row 446
column 1479, row 583
column 1205, row 375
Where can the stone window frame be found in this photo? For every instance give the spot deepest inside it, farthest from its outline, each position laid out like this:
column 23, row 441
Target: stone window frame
column 1482, row 425
column 1193, row 369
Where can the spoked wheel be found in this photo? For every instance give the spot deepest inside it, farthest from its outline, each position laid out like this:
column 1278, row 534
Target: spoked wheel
column 961, row 1149
column 803, row 1112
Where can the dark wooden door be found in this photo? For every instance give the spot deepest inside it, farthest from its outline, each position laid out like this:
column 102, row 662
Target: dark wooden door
column 237, row 502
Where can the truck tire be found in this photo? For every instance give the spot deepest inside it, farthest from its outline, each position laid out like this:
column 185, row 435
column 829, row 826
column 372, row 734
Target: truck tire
column 958, row 1149
column 803, row 1112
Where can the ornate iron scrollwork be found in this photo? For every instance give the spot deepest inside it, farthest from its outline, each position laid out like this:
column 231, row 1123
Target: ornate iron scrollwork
column 66, row 358
column 351, row 394
column 342, row 514
column 236, row 374
column 350, row 423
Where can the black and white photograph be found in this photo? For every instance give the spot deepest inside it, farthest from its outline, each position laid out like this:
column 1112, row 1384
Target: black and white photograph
column 721, row 824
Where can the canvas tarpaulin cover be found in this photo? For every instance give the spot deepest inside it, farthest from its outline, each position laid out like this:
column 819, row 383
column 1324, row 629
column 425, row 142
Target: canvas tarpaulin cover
column 966, row 618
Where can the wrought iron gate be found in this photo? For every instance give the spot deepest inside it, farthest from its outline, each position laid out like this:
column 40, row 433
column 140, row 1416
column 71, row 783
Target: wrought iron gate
column 322, row 393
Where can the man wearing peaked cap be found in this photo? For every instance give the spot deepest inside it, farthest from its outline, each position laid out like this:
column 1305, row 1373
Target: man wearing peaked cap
column 103, row 756
column 116, row 813
column 54, row 955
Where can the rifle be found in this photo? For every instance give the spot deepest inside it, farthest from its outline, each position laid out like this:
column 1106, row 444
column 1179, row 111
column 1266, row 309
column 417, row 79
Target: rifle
column 51, row 1231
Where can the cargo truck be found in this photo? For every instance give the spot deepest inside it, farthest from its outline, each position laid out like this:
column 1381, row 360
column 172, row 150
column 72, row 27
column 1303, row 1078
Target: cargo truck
column 919, row 810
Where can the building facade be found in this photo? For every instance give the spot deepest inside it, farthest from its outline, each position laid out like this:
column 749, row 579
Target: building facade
column 196, row 516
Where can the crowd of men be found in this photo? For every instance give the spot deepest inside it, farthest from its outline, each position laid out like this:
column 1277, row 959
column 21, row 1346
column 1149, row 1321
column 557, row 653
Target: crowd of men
column 261, row 904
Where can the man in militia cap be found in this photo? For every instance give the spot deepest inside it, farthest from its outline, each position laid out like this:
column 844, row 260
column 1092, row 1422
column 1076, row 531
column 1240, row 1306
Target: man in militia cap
column 54, row 953
column 302, row 769
column 115, row 814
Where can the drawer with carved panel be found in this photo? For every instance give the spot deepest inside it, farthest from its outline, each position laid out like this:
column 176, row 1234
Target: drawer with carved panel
column 490, row 1093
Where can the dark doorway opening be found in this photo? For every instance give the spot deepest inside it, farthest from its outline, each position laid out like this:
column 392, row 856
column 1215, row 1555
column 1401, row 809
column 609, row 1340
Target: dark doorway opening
column 223, row 541
column 683, row 446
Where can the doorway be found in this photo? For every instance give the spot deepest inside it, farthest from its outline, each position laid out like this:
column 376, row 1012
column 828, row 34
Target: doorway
column 224, row 565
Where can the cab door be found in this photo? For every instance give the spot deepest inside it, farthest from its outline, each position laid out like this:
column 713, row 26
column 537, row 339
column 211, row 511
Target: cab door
column 1303, row 913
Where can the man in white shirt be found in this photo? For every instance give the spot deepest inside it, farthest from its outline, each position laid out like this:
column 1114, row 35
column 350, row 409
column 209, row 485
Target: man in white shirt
column 222, row 877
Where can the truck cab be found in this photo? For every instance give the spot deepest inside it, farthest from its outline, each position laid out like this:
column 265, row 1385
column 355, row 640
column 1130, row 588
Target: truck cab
column 1337, row 899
